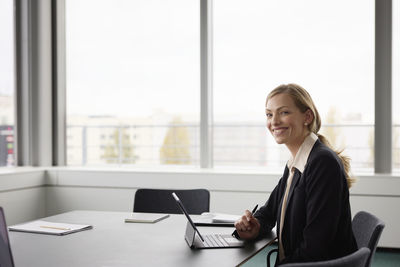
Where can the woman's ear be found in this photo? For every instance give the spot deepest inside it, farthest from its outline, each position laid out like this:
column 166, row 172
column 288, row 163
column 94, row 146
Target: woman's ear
column 309, row 116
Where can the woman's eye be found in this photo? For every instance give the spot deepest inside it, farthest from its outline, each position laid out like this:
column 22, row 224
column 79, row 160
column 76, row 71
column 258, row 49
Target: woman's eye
column 269, row 115
column 285, row 112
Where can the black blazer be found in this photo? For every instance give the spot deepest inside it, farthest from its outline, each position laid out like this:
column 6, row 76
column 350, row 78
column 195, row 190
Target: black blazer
column 318, row 216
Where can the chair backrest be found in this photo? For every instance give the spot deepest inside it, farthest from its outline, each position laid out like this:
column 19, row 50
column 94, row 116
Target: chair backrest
column 367, row 230
column 6, row 258
column 196, row 201
column 356, row 259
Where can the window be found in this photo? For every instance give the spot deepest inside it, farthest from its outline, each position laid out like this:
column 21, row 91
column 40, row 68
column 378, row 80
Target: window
column 133, row 79
column 262, row 44
column 396, row 85
column 133, row 74
column 7, row 120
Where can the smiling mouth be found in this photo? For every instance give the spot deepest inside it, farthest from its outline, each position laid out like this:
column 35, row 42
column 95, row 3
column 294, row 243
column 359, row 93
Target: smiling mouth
column 278, row 131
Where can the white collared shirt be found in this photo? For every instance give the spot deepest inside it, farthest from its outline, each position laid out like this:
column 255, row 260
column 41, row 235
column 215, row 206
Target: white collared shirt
column 300, row 160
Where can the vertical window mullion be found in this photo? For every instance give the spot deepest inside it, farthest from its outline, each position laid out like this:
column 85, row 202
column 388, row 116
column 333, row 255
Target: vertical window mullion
column 34, row 82
column 59, row 94
column 206, row 160
column 383, row 86
column 22, row 59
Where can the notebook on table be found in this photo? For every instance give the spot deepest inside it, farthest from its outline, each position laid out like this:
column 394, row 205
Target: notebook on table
column 49, row 228
column 142, row 217
column 200, row 241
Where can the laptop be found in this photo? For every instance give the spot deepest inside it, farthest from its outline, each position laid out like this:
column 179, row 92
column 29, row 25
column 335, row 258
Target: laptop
column 200, row 241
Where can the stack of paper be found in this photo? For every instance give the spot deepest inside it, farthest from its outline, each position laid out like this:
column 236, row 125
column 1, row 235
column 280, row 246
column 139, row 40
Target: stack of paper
column 216, row 219
column 138, row 217
column 50, row 228
column 221, row 217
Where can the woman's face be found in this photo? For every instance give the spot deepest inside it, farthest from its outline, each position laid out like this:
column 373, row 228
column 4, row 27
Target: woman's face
column 286, row 122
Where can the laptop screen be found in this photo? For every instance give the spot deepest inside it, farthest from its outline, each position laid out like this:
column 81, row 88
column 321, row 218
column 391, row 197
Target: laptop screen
column 178, row 201
column 190, row 234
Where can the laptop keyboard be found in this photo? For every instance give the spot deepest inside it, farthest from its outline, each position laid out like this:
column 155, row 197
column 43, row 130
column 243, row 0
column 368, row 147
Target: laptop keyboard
column 214, row 241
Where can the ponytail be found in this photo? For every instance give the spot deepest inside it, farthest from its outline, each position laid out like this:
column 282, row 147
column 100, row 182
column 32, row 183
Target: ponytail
column 344, row 159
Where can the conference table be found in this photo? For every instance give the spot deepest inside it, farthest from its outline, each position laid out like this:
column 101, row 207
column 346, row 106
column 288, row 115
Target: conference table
column 112, row 242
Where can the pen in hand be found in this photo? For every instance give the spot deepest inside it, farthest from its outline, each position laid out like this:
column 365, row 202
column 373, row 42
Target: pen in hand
column 235, row 233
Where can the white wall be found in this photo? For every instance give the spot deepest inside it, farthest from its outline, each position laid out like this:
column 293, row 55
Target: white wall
column 65, row 189
column 22, row 194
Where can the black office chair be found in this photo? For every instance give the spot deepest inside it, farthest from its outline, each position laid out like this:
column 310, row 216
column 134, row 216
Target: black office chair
column 6, row 258
column 196, row 201
column 367, row 230
column 356, row 259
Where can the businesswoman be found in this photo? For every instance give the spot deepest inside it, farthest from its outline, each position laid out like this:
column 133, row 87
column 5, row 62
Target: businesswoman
column 310, row 204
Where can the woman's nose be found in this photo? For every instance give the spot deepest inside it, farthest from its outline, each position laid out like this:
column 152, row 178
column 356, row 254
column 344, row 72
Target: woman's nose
column 275, row 120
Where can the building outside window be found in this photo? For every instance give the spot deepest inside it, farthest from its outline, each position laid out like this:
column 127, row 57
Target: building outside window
column 7, row 84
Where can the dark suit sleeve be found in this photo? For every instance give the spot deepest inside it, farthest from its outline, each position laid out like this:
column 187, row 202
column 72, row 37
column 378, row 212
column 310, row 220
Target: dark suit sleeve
column 267, row 214
column 324, row 192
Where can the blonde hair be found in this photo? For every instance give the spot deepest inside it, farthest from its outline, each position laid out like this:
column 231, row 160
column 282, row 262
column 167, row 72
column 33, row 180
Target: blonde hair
column 304, row 102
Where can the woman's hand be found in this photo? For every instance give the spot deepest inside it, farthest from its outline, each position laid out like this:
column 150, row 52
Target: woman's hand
column 247, row 226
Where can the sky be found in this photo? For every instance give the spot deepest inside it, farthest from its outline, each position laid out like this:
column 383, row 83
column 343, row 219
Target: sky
column 139, row 57
column 304, row 42
column 143, row 57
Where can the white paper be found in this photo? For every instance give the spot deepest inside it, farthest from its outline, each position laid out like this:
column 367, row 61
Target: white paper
column 207, row 217
column 222, row 217
column 138, row 217
column 45, row 227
